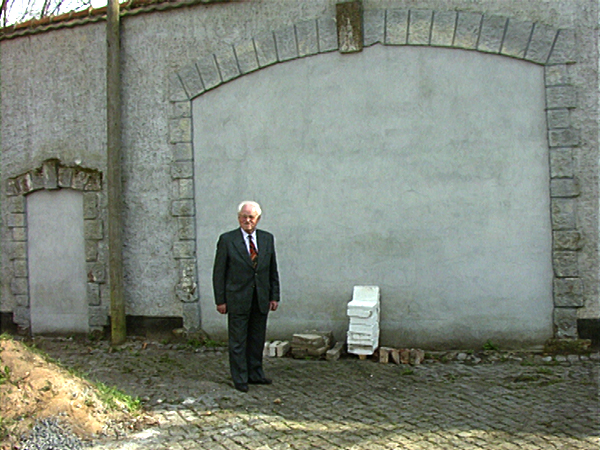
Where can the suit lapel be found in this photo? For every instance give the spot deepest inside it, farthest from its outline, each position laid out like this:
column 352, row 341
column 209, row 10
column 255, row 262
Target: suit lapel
column 240, row 245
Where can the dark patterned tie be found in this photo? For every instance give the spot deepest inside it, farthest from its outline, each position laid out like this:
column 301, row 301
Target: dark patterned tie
column 253, row 252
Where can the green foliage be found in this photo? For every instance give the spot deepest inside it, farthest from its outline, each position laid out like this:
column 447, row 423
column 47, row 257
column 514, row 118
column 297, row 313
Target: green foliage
column 114, row 398
column 489, row 345
column 4, row 374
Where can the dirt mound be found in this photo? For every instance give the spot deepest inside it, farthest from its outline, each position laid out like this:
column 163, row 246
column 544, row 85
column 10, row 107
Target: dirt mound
column 32, row 388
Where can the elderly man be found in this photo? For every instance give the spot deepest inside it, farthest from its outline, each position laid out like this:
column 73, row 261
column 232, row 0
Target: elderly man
column 246, row 288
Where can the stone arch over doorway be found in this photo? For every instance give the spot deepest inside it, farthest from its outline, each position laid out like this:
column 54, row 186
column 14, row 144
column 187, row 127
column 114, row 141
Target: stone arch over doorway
column 52, row 175
column 531, row 42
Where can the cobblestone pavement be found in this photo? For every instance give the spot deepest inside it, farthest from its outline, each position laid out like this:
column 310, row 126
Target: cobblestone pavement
column 514, row 403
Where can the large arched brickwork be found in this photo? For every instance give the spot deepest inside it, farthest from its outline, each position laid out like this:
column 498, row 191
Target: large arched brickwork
column 53, row 175
column 532, row 42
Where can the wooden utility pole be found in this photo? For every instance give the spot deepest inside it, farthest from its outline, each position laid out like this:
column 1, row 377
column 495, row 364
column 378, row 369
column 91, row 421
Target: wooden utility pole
column 114, row 180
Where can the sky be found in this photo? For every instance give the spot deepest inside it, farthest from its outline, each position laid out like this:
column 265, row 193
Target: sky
column 17, row 7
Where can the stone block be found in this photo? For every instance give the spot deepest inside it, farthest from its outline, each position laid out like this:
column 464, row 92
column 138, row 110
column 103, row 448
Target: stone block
column 370, row 294
column 227, row 63
column 93, row 294
column 22, row 301
column 443, row 28
column 563, row 51
column 16, row 205
column 558, row 118
column 561, row 163
column 96, row 273
column 396, row 27
column 246, row 56
column 516, row 38
column 192, row 82
column 180, row 130
column 416, row 356
column 209, row 72
column 373, row 27
column 18, row 250
column 98, row 316
column 20, row 268
column 90, row 205
column 265, row 49
column 186, row 188
column 565, row 323
column 94, row 181
column 314, row 344
column 327, row 34
column 384, row 354
column 19, row 234
column 177, row 92
column 183, row 208
column 80, row 178
column 568, row 292
column 50, row 174
column 182, row 169
column 93, row 229
column 191, row 316
column 186, row 228
column 561, row 97
column 565, row 264
column 65, row 176
column 468, row 27
column 19, row 286
column 15, row 220
column 349, row 26
column 285, row 43
column 184, row 249
column 564, row 187
column 564, row 137
column 306, row 33
column 282, row 348
column 563, row 214
column 361, row 350
column 181, row 109
column 335, row 353
column 182, row 151
column 540, row 44
column 557, row 75
column 186, row 290
column 419, row 27
column 567, row 240
column 91, row 251
column 492, row 33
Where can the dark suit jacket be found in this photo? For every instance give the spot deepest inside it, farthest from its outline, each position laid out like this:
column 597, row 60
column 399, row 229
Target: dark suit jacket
column 235, row 278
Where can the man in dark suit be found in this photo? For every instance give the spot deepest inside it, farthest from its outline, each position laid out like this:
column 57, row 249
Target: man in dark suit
column 246, row 288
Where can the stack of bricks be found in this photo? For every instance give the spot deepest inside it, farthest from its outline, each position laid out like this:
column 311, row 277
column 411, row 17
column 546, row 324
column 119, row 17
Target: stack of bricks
column 363, row 311
column 413, row 356
column 276, row 349
column 311, row 343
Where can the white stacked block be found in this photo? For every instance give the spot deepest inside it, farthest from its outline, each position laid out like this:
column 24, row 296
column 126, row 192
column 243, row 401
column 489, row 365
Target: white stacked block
column 363, row 311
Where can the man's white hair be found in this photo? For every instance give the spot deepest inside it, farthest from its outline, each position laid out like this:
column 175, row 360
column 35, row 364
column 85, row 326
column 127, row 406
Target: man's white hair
column 255, row 207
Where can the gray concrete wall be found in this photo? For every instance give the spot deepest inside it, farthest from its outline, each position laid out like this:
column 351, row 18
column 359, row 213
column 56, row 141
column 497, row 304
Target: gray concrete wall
column 423, row 171
column 56, row 262
column 59, row 113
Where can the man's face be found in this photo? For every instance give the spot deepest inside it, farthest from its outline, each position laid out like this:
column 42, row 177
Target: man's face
column 248, row 219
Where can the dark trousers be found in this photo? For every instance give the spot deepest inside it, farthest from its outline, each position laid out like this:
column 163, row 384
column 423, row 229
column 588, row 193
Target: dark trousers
column 247, row 334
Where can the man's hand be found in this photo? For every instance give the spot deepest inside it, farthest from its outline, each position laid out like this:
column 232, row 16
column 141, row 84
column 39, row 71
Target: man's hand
column 273, row 305
column 222, row 308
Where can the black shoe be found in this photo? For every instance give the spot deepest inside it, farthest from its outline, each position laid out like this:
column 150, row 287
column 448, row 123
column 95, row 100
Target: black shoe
column 241, row 387
column 261, row 381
